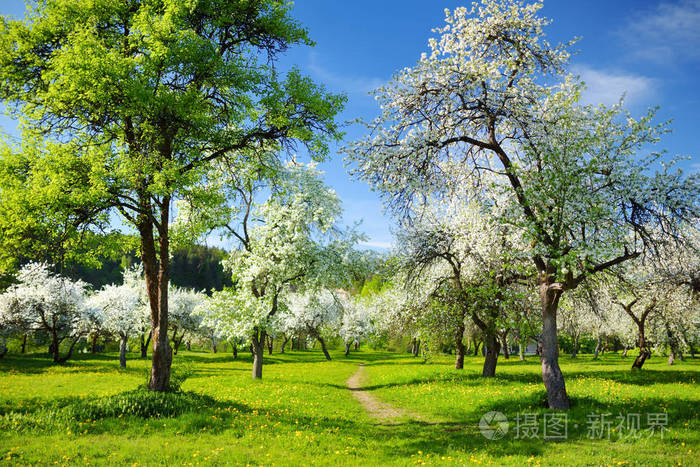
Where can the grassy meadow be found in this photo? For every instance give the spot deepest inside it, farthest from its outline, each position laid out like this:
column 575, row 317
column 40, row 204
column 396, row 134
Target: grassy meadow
column 90, row 412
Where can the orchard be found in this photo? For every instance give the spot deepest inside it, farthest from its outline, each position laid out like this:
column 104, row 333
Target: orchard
column 185, row 277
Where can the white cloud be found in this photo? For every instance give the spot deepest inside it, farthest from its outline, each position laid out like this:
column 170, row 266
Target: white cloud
column 607, row 87
column 351, row 84
column 668, row 33
column 377, row 245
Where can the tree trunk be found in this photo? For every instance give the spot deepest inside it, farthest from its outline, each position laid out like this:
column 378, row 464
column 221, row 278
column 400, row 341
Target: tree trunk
column 323, row 347
column 644, row 351
column 521, row 351
column 673, row 344
column 235, row 350
column 270, row 344
column 624, row 353
column 416, row 348
column 577, row 345
column 597, row 348
column 506, row 352
column 256, row 346
column 459, row 347
column 24, row 344
column 178, row 342
column 188, row 346
column 54, row 348
column 65, row 358
column 347, row 349
column 413, row 346
column 691, row 349
column 122, row 351
column 469, row 346
column 476, row 347
column 493, row 347
column 284, row 343
column 144, row 345
column 214, row 349
column 551, row 373
column 357, row 345
column 156, row 271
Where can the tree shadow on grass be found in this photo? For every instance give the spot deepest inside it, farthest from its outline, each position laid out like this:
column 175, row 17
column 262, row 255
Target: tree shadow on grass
column 644, row 377
column 32, row 364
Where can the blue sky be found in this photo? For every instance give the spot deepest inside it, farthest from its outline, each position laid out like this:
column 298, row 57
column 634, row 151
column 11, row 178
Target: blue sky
column 648, row 49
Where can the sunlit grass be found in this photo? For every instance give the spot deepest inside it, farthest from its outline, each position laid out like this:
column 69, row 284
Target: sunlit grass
column 302, row 413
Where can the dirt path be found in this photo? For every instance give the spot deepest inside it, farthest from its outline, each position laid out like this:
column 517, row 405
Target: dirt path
column 381, row 411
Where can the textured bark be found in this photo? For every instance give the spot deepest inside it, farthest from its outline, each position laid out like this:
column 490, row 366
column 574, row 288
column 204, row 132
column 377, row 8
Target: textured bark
column 24, row 344
column 416, row 348
column 347, row 349
column 122, row 351
column 624, row 353
column 504, row 344
column 476, row 347
column 674, row 351
column 323, row 347
column 521, row 351
column 459, row 348
column 156, row 270
column 235, row 350
column 357, row 345
column 270, row 344
column 144, row 345
column 644, row 351
column 256, row 346
column 65, row 358
column 284, row 344
column 493, row 347
column 551, row 373
column 177, row 341
column 597, row 348
column 577, row 346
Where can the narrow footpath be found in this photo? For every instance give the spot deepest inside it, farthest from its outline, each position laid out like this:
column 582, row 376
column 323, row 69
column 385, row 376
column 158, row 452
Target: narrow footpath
column 381, row 411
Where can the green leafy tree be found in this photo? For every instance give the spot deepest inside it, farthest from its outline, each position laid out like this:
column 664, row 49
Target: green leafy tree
column 124, row 104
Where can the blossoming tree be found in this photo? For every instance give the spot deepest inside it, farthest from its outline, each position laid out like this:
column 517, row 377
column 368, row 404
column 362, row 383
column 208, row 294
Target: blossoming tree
column 122, row 312
column 295, row 242
column 491, row 98
column 48, row 303
column 317, row 314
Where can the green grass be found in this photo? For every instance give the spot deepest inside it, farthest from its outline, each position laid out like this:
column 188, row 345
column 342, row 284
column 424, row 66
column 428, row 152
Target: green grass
column 88, row 412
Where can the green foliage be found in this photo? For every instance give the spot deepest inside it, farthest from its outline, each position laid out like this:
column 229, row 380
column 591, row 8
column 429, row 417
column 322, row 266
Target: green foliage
column 199, row 267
